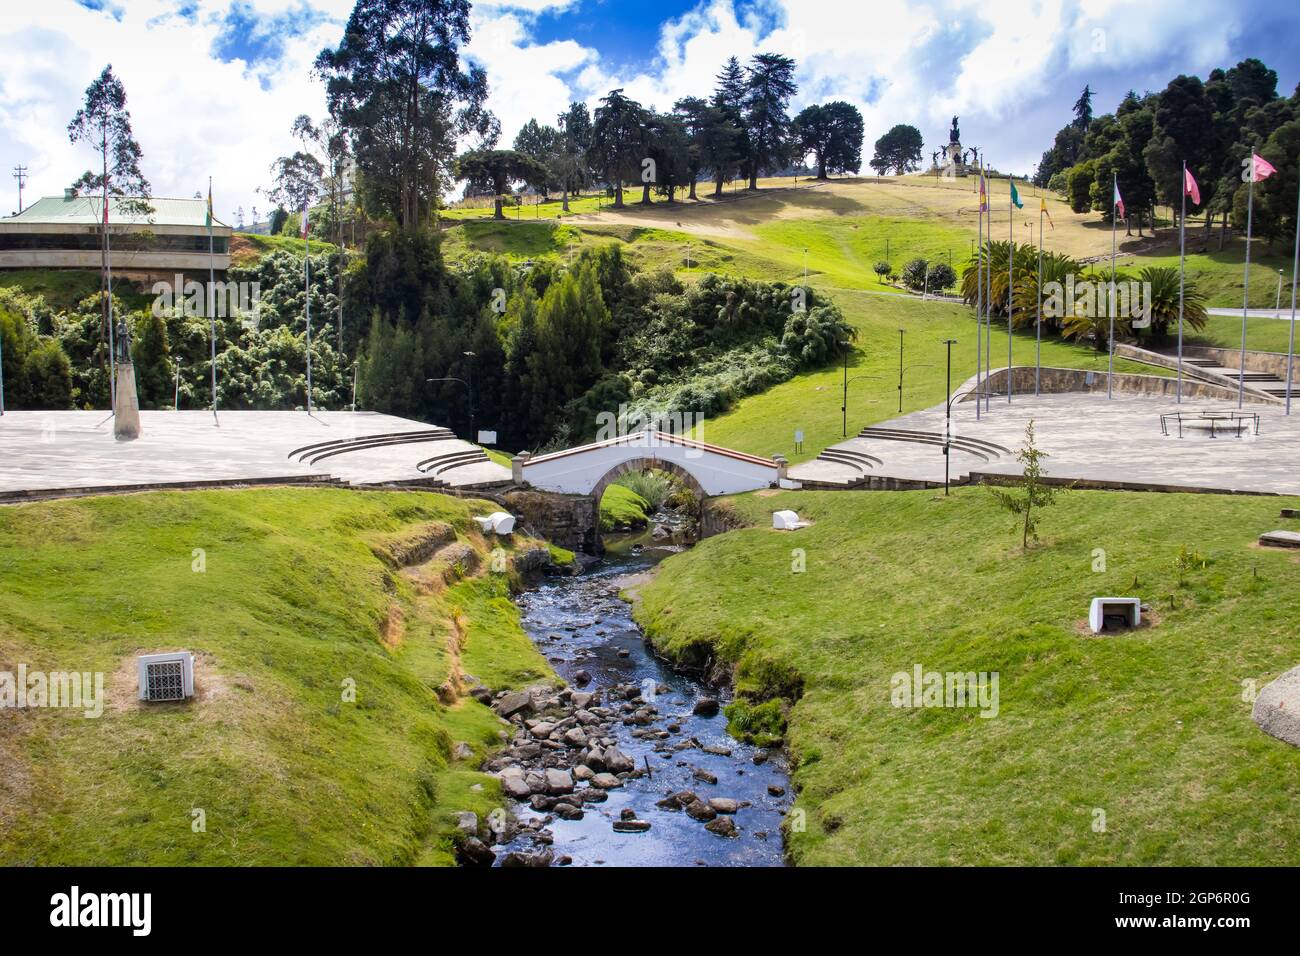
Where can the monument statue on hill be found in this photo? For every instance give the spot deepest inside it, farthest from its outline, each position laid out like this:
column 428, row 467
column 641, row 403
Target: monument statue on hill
column 953, row 155
column 126, row 404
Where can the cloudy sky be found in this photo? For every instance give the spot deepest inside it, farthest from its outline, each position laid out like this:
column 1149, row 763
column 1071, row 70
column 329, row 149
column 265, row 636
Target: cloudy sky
column 213, row 85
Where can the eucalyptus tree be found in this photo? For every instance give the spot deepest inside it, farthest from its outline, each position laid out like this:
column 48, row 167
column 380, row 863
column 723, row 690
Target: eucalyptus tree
column 104, row 123
column 396, row 86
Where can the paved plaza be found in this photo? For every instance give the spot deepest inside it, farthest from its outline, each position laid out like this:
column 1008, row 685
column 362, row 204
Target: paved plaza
column 1089, row 437
column 45, row 451
column 1117, row 443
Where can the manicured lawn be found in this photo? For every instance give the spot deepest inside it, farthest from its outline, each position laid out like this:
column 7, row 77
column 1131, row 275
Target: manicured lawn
column 1267, row 335
column 531, row 208
column 292, row 603
column 1220, row 275
column 1149, row 728
column 764, row 424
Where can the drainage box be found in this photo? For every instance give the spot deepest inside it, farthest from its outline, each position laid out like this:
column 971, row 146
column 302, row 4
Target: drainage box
column 166, row 676
column 1114, row 614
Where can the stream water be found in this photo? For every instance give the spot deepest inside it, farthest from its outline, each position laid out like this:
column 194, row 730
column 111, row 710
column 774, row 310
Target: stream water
column 581, row 624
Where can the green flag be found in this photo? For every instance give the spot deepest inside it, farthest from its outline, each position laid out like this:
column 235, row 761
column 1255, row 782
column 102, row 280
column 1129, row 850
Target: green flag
column 1015, row 196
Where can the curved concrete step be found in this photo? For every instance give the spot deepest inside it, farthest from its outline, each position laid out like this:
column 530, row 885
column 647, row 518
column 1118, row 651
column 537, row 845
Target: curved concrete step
column 985, row 451
column 310, row 454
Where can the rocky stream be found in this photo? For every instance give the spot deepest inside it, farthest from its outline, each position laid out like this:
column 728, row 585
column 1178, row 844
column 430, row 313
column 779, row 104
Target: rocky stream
column 630, row 764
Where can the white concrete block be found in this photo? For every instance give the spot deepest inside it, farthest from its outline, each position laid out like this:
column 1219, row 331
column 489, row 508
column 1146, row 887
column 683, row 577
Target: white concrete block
column 502, row 523
column 786, row 520
column 1101, row 606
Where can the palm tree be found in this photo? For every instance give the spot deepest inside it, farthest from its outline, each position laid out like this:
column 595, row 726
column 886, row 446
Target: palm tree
column 1160, row 286
column 1093, row 321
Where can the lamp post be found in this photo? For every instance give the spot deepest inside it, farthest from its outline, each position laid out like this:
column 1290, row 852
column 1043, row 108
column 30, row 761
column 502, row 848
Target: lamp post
column 844, row 401
column 469, row 385
column 947, row 429
column 849, row 381
column 900, row 371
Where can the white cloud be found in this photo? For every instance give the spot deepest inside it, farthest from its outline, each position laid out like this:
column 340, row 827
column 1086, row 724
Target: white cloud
column 1010, row 72
column 193, row 115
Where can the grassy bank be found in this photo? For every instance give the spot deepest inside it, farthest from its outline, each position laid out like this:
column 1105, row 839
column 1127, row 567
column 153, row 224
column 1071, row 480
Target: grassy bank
column 621, row 507
column 290, row 597
column 1149, row 728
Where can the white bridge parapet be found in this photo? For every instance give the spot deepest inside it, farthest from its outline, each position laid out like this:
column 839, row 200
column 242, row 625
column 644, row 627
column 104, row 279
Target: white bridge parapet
column 588, row 469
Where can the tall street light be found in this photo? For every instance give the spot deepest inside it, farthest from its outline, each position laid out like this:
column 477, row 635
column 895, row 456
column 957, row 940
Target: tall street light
column 469, row 385
column 902, row 369
column 844, row 401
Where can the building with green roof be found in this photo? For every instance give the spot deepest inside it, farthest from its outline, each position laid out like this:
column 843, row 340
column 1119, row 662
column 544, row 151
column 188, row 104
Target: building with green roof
column 170, row 236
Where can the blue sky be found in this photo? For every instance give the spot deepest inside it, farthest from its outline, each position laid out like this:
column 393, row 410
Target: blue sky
column 215, row 84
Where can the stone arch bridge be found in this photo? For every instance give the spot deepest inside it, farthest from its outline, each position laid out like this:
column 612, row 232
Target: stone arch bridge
column 583, row 473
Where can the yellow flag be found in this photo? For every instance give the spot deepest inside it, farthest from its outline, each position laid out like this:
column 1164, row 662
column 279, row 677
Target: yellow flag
column 1042, row 207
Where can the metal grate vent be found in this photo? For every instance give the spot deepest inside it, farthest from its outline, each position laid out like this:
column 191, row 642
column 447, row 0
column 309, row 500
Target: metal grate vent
column 166, row 676
column 165, row 680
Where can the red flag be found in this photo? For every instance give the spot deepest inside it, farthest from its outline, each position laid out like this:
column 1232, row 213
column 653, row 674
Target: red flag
column 1190, row 187
column 1261, row 167
column 1119, row 203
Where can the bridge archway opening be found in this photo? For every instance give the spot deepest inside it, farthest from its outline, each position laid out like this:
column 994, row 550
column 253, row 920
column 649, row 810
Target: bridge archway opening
column 680, row 518
column 644, row 465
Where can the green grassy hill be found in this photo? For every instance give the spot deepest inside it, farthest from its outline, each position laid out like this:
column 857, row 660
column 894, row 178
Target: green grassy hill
column 764, row 424
column 847, row 225
column 1148, row 727
column 302, row 590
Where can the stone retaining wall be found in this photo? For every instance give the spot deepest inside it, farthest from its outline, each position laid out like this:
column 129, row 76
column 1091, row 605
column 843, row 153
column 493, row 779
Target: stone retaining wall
column 1274, row 363
column 570, row 521
column 1058, row 380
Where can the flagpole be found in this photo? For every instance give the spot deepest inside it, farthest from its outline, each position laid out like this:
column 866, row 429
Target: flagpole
column 1290, row 349
column 1110, row 304
column 1245, row 285
column 306, row 288
column 1038, row 294
column 979, row 302
column 1011, row 265
column 988, row 304
column 212, row 310
column 108, row 291
column 1182, row 256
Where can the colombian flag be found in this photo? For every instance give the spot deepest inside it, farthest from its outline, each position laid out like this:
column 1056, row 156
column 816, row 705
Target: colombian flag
column 984, row 196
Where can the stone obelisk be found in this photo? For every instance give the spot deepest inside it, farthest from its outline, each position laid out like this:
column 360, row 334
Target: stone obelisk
column 126, row 409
